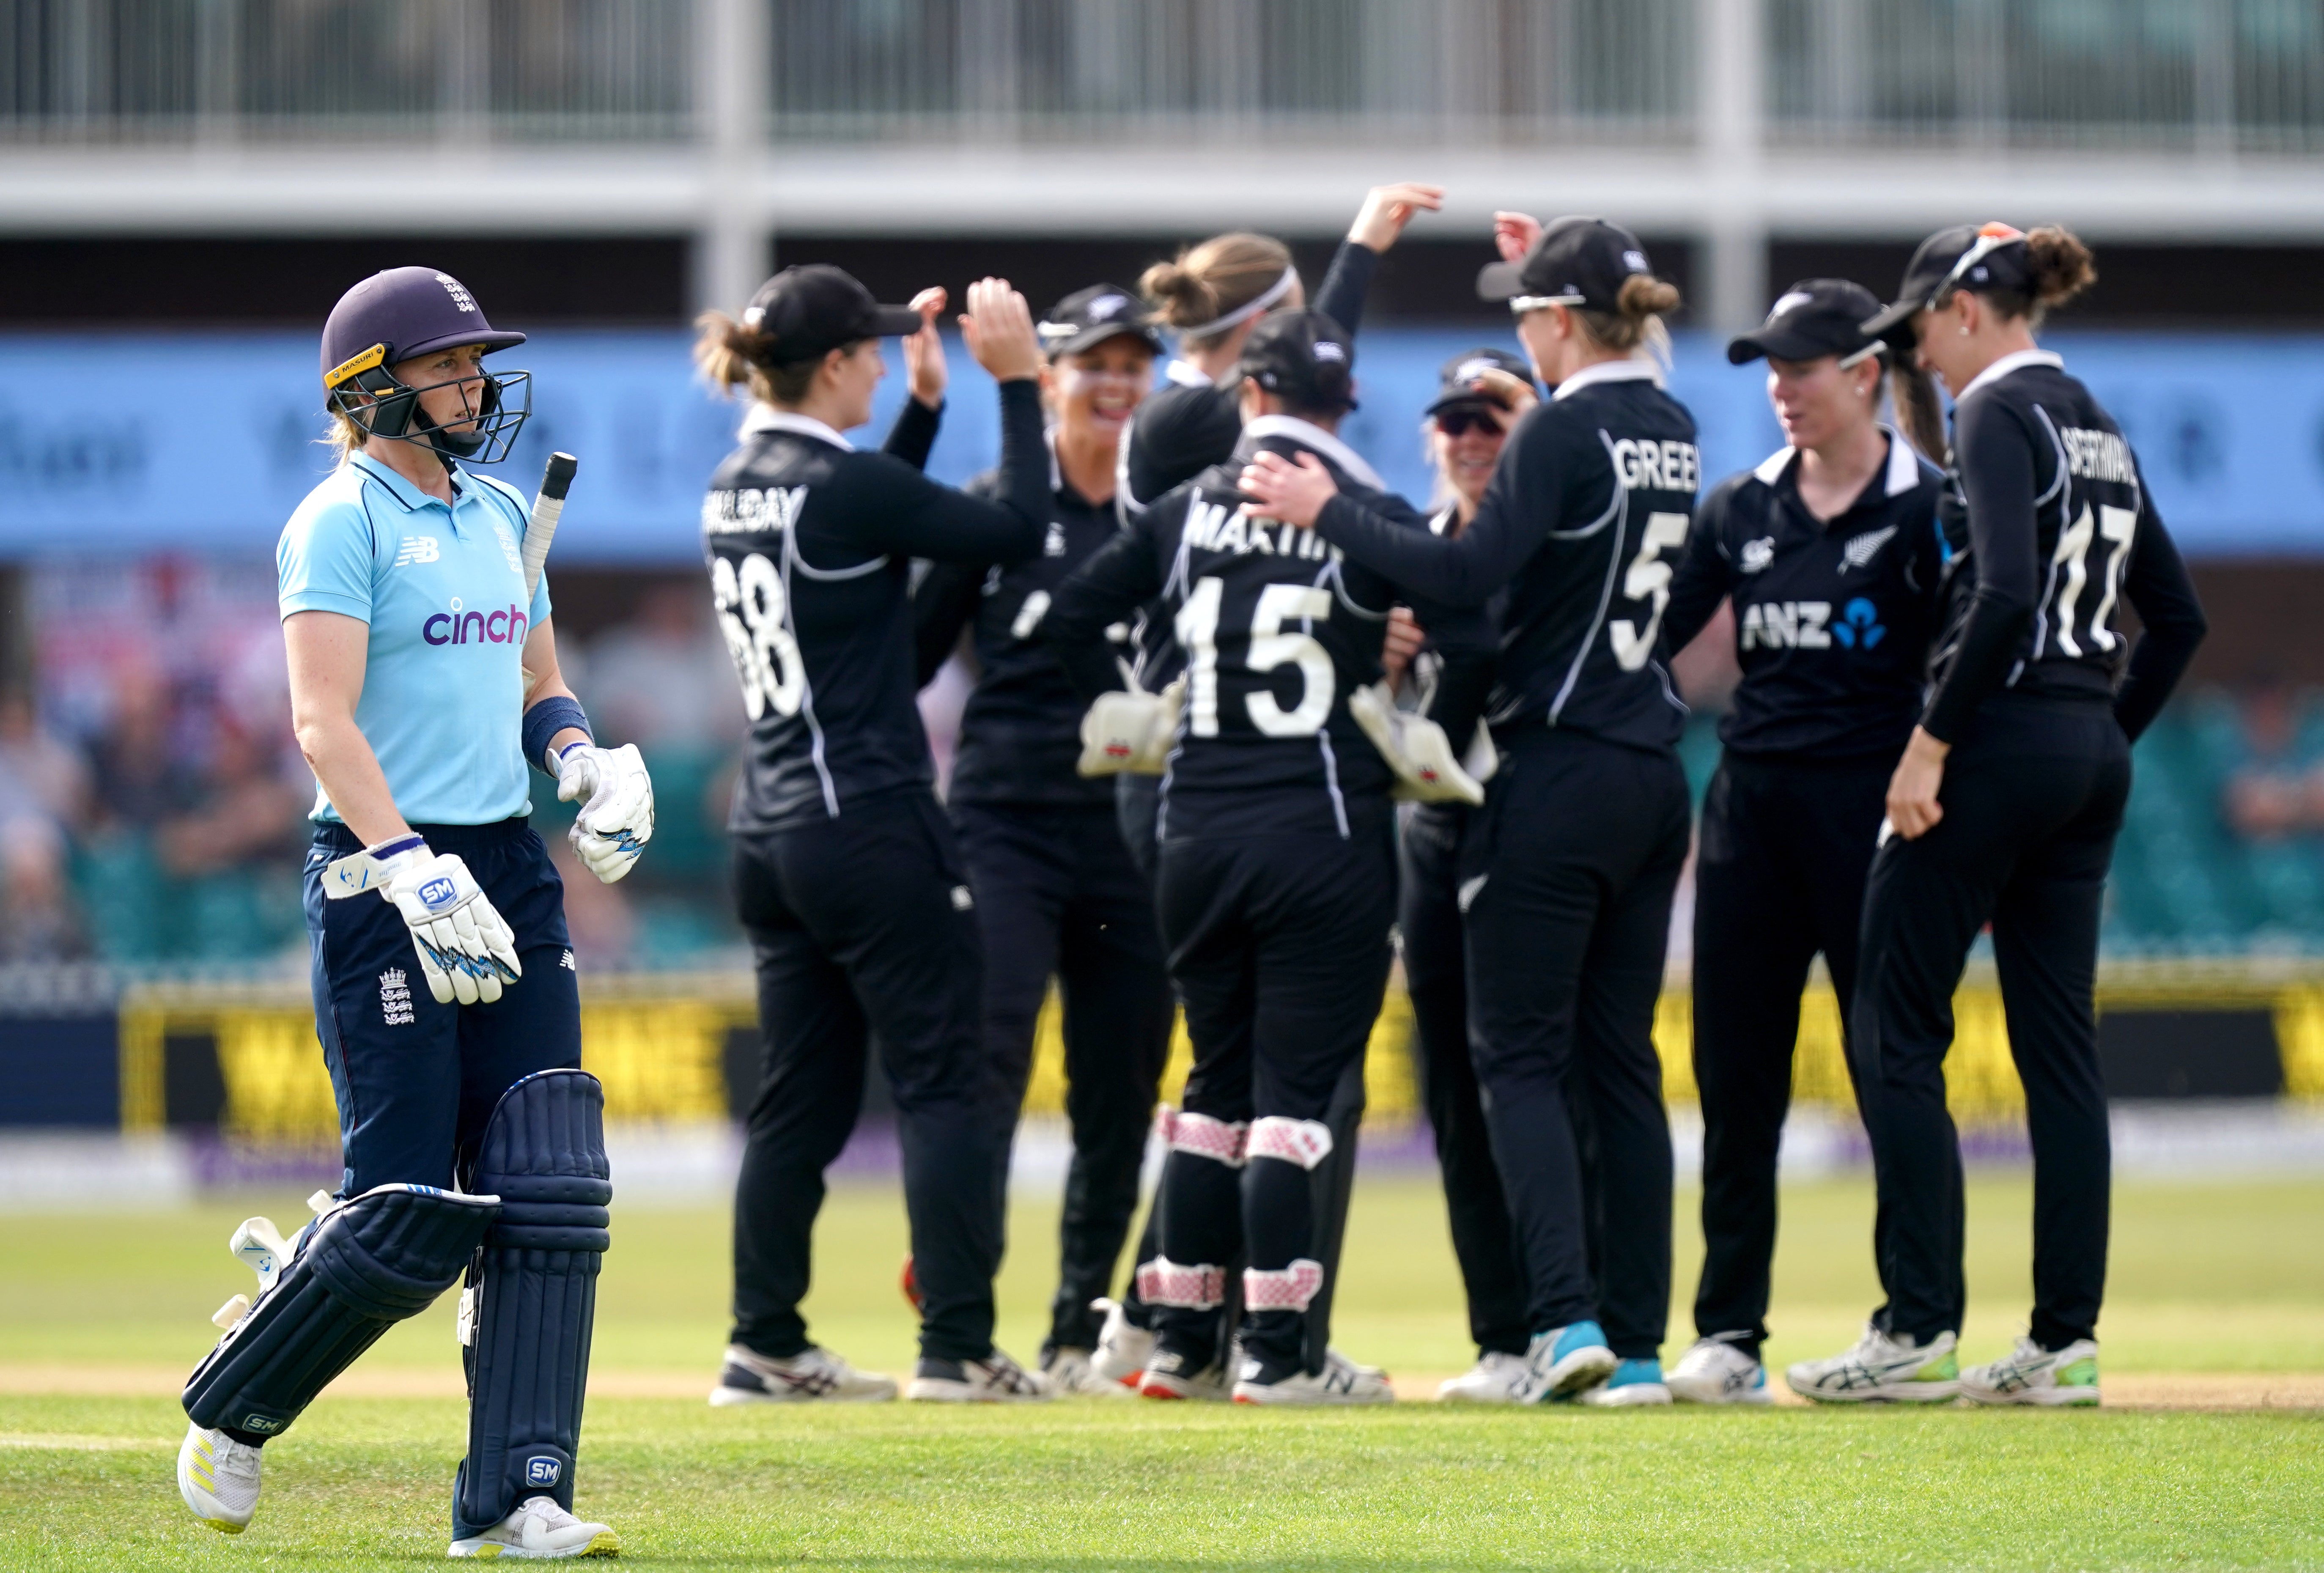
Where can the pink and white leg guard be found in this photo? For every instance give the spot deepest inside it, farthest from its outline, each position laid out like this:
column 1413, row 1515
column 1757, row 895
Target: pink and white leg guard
column 1305, row 1143
column 1288, row 1288
column 1205, row 1138
column 1200, row 1287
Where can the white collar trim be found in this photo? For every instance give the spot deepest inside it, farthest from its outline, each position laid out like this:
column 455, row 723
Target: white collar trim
column 1442, row 519
column 1179, row 373
column 1632, row 370
column 2016, row 361
column 1771, row 469
column 767, row 418
column 1902, row 468
column 1308, row 434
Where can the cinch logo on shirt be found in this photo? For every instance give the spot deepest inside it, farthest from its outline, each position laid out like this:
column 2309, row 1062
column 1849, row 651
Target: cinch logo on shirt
column 416, row 548
column 457, row 626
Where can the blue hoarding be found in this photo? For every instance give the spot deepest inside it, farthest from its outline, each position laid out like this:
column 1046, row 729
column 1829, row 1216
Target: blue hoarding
column 205, row 441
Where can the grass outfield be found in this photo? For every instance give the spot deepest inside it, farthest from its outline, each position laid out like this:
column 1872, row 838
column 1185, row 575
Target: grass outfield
column 2207, row 1278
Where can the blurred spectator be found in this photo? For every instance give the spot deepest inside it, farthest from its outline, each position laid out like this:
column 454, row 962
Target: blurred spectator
column 247, row 814
column 43, row 786
column 2277, row 790
column 40, row 769
column 664, row 679
column 139, row 780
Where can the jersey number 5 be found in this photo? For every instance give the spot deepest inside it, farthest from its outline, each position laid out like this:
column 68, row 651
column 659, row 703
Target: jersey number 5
column 1649, row 576
column 1271, row 647
column 750, row 610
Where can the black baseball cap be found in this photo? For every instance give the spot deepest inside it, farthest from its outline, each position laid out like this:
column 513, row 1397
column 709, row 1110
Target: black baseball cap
column 402, row 312
column 1968, row 256
column 1575, row 262
column 1456, row 383
column 811, row 311
column 1302, row 357
column 1088, row 318
column 1813, row 319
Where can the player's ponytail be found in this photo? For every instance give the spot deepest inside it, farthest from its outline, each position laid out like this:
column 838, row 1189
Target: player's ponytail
column 1224, row 275
column 733, row 355
column 1637, row 319
column 1918, row 410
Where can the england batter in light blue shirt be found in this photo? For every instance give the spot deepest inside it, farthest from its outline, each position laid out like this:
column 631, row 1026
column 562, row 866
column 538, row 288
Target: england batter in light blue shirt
column 424, row 689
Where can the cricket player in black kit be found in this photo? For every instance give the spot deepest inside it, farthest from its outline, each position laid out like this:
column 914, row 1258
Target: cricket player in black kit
column 1569, row 866
column 1276, row 877
column 1055, row 889
column 1829, row 553
column 2004, row 808
column 847, row 875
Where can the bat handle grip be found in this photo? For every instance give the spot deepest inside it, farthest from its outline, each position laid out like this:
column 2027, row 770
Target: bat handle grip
column 558, row 478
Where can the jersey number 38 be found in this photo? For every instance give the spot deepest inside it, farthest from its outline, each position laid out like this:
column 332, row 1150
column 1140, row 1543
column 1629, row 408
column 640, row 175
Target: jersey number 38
column 751, row 609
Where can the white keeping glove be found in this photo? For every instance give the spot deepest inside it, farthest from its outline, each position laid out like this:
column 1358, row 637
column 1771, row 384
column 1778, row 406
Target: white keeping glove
column 1130, row 731
column 1415, row 749
column 467, row 949
column 618, row 818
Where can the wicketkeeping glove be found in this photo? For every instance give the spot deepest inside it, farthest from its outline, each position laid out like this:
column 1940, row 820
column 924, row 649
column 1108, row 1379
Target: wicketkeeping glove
column 1129, row 732
column 467, row 949
column 618, row 818
column 1415, row 749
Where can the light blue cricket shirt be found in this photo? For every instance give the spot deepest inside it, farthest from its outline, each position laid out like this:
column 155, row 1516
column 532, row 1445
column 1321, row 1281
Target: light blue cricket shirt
column 443, row 590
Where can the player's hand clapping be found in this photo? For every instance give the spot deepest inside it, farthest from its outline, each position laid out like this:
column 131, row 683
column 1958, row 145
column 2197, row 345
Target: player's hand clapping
column 924, row 357
column 1387, row 210
column 998, row 328
column 1295, row 494
column 1513, row 235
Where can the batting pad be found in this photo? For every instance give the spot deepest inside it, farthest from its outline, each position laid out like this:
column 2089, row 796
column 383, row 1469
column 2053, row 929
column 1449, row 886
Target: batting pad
column 544, row 1156
column 368, row 1264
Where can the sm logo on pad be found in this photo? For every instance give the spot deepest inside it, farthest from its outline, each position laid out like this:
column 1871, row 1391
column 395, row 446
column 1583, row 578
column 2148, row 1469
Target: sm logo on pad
column 542, row 1471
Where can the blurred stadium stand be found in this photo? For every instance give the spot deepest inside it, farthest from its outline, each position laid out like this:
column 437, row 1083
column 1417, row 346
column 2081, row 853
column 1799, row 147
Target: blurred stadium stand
column 187, row 185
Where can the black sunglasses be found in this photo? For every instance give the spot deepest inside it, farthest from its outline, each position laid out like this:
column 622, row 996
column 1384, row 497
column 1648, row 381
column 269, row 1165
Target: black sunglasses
column 1457, row 422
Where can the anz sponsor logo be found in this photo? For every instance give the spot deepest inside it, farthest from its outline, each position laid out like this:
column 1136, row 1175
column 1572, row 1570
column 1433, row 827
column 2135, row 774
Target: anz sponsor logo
column 753, row 510
column 505, row 625
column 1808, row 625
column 1658, row 467
column 1212, row 527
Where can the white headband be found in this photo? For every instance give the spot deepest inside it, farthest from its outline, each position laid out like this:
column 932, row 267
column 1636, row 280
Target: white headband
column 1245, row 312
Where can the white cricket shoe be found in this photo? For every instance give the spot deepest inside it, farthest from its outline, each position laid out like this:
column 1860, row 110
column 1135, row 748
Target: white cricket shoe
column 1881, row 1369
column 1167, row 1376
column 1495, row 1378
column 541, row 1530
column 1071, row 1373
column 995, row 1379
column 813, row 1375
column 218, row 1478
column 1716, row 1372
column 2033, row 1375
column 1341, row 1381
column 1122, row 1348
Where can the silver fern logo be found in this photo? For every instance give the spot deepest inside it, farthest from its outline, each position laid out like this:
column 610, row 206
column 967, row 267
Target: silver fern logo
column 1860, row 551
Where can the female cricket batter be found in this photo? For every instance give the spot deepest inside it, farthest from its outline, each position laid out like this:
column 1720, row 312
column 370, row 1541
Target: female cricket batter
column 424, row 682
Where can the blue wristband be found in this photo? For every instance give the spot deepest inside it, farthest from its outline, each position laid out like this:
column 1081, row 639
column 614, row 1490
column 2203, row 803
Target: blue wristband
column 544, row 720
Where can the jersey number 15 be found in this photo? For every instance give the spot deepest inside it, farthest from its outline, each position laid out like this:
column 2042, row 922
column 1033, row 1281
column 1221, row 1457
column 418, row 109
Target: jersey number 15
column 1269, row 647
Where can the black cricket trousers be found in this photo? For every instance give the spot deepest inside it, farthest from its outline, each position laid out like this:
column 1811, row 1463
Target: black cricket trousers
column 1568, row 874
column 1779, row 873
column 2033, row 796
column 1428, row 919
column 1278, row 945
column 1057, row 892
column 859, row 925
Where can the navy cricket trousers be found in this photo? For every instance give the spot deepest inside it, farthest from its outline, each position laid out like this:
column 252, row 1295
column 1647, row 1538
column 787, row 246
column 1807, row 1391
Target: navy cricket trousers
column 416, row 1080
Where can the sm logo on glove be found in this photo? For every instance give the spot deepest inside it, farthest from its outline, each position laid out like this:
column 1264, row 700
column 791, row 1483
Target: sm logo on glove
column 437, row 894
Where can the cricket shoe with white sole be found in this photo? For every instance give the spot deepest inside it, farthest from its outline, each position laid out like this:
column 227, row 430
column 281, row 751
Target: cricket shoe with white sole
column 1564, row 1361
column 218, row 1478
column 813, row 1375
column 1715, row 1371
column 1169, row 1374
column 540, row 1531
column 1497, row 1377
column 1881, row 1369
column 1071, row 1374
column 995, row 1379
column 1124, row 1347
column 1341, row 1382
column 2033, row 1375
column 1634, row 1382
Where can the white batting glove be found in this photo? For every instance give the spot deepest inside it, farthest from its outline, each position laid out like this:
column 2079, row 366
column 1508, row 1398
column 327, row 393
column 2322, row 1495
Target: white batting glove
column 466, row 949
column 617, row 820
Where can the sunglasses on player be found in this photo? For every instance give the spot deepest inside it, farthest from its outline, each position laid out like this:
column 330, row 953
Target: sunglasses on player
column 1460, row 422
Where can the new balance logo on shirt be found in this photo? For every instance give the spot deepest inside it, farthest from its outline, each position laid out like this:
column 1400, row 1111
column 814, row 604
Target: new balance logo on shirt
column 416, row 548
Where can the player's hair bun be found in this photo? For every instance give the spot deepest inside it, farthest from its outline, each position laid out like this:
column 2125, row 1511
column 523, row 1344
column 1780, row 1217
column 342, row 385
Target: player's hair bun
column 725, row 350
column 1205, row 282
column 2061, row 264
column 1644, row 295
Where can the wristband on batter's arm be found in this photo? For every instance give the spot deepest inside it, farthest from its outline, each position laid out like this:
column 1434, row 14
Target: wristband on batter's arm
column 544, row 720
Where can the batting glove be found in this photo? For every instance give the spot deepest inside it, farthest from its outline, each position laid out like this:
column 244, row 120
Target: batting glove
column 466, row 949
column 618, row 818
